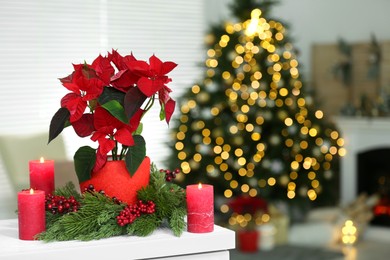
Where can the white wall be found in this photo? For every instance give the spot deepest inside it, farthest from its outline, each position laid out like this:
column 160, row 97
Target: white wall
column 323, row 21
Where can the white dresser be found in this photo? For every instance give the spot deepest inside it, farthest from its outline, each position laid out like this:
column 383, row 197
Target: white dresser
column 162, row 244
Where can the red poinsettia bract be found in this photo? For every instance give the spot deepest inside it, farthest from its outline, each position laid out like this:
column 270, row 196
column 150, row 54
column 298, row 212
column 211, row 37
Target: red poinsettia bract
column 105, row 102
column 86, row 83
column 108, row 129
column 153, row 79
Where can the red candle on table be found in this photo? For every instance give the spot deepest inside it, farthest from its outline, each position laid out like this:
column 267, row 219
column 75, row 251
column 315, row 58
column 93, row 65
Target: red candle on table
column 42, row 175
column 31, row 213
column 200, row 208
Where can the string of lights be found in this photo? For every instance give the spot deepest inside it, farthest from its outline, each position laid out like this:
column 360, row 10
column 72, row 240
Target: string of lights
column 248, row 126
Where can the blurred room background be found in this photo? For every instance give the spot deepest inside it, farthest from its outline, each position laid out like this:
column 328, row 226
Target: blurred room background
column 40, row 40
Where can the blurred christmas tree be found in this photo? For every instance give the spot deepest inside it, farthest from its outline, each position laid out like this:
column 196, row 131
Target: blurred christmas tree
column 248, row 127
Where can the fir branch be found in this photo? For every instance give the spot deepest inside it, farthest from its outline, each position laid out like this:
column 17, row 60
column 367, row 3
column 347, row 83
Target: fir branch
column 51, row 218
column 169, row 199
column 67, row 191
column 96, row 217
column 108, row 229
column 94, row 220
column 144, row 225
column 176, row 221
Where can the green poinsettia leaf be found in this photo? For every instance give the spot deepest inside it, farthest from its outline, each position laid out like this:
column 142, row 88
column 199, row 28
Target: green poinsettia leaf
column 109, row 94
column 139, row 129
column 135, row 154
column 84, row 160
column 162, row 112
column 116, row 109
column 134, row 99
column 58, row 123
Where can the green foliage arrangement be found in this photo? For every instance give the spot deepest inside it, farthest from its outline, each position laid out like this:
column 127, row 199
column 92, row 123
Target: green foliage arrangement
column 97, row 216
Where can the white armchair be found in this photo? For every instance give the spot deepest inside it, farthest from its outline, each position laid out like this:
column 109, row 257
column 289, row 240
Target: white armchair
column 15, row 152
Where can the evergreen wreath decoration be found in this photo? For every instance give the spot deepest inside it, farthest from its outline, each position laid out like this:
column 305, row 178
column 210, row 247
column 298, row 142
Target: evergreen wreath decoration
column 160, row 204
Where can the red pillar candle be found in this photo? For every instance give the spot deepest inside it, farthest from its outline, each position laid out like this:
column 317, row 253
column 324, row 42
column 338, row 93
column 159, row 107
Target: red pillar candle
column 31, row 213
column 200, row 208
column 42, row 175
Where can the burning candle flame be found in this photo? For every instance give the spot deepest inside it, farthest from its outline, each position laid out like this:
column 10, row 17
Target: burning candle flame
column 31, row 191
column 200, row 186
column 41, row 160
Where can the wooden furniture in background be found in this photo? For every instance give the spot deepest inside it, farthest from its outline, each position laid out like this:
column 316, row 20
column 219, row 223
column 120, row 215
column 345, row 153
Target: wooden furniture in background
column 331, row 92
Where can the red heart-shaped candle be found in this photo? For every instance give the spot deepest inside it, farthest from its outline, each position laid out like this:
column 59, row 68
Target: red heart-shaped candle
column 115, row 180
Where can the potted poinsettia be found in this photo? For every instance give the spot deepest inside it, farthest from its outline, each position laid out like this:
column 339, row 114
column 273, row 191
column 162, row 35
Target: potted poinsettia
column 245, row 209
column 106, row 102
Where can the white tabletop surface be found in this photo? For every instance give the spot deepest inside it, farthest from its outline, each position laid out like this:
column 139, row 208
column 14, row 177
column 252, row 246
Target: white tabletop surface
column 161, row 243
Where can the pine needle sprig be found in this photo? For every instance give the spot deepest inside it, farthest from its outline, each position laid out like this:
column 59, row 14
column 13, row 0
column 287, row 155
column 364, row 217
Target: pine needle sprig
column 144, row 225
column 94, row 220
column 176, row 221
column 67, row 191
column 97, row 215
column 169, row 199
column 51, row 218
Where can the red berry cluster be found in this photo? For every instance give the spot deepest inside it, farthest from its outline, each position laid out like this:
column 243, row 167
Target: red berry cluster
column 132, row 212
column 91, row 188
column 170, row 175
column 61, row 205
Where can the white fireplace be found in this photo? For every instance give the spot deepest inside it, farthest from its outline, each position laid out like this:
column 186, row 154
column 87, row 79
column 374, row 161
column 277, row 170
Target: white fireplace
column 360, row 135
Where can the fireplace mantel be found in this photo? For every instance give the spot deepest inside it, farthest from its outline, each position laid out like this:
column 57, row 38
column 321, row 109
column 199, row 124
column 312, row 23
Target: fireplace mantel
column 360, row 134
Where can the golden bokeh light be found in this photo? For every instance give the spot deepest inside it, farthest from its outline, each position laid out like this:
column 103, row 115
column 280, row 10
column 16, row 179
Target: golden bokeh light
column 256, row 93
